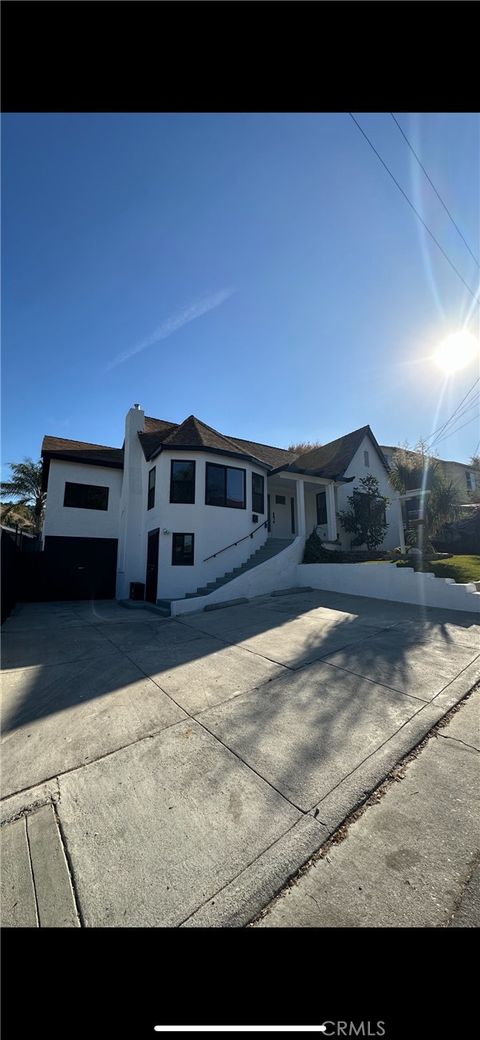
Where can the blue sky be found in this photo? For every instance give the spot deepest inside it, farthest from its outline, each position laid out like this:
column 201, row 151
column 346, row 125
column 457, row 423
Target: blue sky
column 260, row 271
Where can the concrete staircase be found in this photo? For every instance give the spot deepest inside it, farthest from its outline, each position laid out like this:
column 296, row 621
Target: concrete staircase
column 270, row 548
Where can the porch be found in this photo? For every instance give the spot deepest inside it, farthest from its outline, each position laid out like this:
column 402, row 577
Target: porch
column 293, row 508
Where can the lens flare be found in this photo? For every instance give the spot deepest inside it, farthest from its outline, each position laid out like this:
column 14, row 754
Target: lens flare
column 456, row 351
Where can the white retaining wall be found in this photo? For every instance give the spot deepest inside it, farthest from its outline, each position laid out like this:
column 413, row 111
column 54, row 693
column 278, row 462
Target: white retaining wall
column 386, row 581
column 280, row 572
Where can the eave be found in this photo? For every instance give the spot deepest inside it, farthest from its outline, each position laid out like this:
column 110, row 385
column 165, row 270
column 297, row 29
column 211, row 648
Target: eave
column 209, row 451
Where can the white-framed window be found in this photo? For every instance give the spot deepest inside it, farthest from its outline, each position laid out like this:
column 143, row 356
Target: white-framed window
column 366, row 459
column 471, row 480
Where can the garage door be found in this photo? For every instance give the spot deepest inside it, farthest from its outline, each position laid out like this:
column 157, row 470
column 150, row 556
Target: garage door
column 78, row 568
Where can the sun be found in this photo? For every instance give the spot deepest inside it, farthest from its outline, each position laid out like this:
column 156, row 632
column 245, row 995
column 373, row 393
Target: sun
column 456, row 351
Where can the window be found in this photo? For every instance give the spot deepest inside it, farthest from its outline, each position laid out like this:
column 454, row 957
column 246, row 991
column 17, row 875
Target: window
column 182, row 481
column 322, row 507
column 85, row 496
column 366, row 459
column 258, row 494
column 182, row 550
column 151, row 488
column 280, row 500
column 471, row 481
column 224, row 486
column 292, row 514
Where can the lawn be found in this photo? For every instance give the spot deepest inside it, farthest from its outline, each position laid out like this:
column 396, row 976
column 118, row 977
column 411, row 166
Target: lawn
column 460, row 568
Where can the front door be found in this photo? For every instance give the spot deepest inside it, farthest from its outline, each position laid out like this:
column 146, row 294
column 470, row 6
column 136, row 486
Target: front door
column 151, row 581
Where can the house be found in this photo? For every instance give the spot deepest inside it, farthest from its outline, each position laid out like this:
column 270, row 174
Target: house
column 182, row 507
column 465, row 478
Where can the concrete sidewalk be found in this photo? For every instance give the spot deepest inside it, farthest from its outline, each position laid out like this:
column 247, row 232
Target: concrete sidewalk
column 411, row 858
column 178, row 772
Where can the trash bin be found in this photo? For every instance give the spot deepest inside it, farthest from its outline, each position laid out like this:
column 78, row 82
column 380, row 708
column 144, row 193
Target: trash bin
column 137, row 590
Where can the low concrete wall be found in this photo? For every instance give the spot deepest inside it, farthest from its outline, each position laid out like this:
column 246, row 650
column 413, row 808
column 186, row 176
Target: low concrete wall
column 386, row 581
column 277, row 573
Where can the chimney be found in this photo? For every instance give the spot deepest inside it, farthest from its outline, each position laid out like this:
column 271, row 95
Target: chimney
column 135, row 421
column 131, row 564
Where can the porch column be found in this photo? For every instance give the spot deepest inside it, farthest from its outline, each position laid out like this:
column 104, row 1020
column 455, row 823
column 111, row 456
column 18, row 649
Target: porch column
column 301, row 523
column 331, row 513
column 400, row 527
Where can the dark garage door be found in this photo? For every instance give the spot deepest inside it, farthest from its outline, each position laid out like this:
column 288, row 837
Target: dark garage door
column 71, row 568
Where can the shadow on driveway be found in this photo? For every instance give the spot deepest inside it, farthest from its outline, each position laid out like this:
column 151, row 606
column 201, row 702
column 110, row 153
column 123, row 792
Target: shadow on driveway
column 304, row 672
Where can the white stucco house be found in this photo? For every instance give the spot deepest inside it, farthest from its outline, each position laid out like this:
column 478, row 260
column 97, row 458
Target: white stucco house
column 181, row 509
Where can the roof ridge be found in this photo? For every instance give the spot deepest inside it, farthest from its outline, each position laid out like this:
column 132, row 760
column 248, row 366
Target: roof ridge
column 262, row 444
column 351, row 433
column 211, row 429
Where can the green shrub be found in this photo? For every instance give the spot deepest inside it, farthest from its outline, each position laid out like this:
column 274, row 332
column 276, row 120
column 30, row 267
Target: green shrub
column 314, row 552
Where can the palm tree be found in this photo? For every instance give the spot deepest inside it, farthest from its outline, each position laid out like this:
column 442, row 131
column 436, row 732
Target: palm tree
column 26, row 487
column 410, row 470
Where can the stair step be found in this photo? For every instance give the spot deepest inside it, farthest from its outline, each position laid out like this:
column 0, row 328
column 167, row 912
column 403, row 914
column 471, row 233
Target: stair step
column 261, row 555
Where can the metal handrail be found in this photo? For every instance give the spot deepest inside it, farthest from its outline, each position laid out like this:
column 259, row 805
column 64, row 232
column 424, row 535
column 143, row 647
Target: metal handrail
column 252, row 533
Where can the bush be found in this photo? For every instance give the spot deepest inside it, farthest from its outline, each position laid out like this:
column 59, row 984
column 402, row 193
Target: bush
column 365, row 517
column 314, row 551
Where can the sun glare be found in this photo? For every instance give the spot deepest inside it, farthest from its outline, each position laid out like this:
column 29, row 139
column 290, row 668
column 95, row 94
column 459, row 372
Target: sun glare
column 456, row 351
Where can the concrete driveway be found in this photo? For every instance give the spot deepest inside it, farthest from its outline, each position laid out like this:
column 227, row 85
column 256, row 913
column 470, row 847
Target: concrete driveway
column 178, row 771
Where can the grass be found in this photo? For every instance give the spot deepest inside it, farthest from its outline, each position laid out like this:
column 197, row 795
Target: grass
column 460, row 568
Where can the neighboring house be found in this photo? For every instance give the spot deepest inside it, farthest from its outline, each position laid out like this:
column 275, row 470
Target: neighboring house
column 179, row 505
column 466, row 479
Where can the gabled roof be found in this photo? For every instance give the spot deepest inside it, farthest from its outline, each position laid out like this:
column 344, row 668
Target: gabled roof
column 82, row 451
column 331, row 460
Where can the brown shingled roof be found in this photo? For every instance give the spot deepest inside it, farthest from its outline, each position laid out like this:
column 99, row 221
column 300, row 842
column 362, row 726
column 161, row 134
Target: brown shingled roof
column 266, row 452
column 156, row 430
column 195, row 434
column 82, row 451
column 331, row 460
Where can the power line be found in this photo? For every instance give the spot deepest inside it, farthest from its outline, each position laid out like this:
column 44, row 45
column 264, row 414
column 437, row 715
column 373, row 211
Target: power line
column 454, row 413
column 451, row 432
column 473, row 404
column 437, row 193
column 417, row 214
column 454, row 416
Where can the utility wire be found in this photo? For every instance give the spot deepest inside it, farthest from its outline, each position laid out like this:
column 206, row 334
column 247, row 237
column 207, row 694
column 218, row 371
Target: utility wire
column 454, row 413
column 451, row 432
column 437, row 193
column 475, row 400
column 417, row 214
